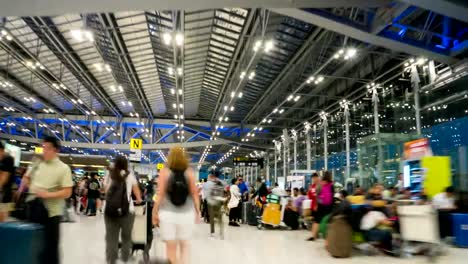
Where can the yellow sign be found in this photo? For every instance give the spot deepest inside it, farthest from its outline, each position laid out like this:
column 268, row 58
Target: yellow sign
column 160, row 166
column 38, row 150
column 136, row 143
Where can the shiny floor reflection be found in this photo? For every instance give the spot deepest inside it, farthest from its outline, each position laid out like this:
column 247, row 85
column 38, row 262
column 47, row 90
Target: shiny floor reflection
column 83, row 242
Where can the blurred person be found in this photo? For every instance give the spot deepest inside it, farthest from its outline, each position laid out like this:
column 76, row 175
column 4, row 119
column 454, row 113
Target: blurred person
column 119, row 184
column 324, row 201
column 204, row 203
column 295, row 193
column 93, row 194
column 7, row 180
column 300, row 199
column 177, row 208
column 312, row 193
column 405, row 195
column 288, row 193
column 235, row 203
column 291, row 215
column 373, row 225
column 243, row 188
column 262, row 192
column 215, row 199
column 50, row 183
column 444, row 202
column 400, row 185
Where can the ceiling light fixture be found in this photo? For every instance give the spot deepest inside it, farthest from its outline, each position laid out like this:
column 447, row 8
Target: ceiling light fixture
column 179, row 39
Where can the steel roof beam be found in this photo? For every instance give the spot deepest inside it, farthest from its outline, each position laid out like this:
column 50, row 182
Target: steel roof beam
column 48, row 32
column 317, row 18
column 119, row 58
column 53, row 7
column 308, row 46
column 452, row 9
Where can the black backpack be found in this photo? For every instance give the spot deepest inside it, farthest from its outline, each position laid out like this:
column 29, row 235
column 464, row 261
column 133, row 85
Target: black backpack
column 178, row 189
column 117, row 203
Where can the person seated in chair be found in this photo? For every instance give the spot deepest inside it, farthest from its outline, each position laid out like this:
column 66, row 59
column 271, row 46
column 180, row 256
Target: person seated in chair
column 291, row 215
column 377, row 228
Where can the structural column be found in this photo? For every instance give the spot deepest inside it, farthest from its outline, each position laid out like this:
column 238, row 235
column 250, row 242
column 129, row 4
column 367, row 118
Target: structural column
column 323, row 115
column 375, row 101
column 345, row 105
column 308, row 150
column 417, row 106
column 294, row 138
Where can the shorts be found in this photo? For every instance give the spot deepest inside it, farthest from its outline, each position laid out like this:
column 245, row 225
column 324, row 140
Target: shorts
column 176, row 226
column 322, row 211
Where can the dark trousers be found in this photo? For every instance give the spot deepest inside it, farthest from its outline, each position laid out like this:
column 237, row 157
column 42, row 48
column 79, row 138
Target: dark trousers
column 116, row 226
column 445, row 223
column 384, row 237
column 216, row 215
column 50, row 254
column 235, row 213
column 92, row 205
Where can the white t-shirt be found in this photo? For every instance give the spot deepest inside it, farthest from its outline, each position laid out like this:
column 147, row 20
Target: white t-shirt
column 372, row 219
column 131, row 180
column 442, row 201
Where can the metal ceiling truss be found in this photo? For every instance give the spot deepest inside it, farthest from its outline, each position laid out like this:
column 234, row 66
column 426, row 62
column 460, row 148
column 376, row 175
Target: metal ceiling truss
column 56, row 90
column 49, row 34
column 114, row 51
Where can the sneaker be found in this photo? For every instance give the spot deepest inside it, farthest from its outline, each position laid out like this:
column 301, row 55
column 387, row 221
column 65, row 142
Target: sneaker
column 235, row 224
column 311, row 239
column 212, row 236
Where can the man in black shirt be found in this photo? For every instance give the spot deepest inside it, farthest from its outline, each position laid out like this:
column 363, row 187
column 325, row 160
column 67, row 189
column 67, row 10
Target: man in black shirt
column 7, row 174
column 93, row 193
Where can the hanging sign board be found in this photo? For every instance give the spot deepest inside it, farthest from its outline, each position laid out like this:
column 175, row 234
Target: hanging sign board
column 248, row 162
column 160, row 166
column 417, row 149
column 135, row 149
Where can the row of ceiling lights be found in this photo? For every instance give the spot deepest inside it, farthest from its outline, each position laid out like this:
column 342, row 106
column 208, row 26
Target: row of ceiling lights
column 259, row 44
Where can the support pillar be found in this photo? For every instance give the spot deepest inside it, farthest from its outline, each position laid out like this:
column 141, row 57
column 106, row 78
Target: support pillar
column 294, row 138
column 308, row 150
column 345, row 105
column 323, row 115
column 417, row 105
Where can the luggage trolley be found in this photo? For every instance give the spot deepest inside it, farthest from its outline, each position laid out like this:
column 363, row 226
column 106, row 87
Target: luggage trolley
column 419, row 223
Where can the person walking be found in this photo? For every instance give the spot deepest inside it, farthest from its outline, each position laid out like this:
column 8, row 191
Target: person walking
column 314, row 190
column 324, row 201
column 215, row 200
column 7, row 174
column 177, row 208
column 93, row 194
column 119, row 184
column 235, row 203
column 50, row 183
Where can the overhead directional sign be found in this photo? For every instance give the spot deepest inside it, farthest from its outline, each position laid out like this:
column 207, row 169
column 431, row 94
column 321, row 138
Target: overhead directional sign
column 135, row 149
column 247, row 162
column 136, row 143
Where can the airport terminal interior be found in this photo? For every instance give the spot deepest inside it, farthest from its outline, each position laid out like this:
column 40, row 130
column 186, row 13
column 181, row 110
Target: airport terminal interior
column 368, row 95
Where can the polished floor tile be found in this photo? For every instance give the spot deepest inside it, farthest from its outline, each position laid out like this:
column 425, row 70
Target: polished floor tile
column 83, row 242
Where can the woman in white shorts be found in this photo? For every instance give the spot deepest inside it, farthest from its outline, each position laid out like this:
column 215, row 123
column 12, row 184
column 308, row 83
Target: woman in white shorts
column 176, row 210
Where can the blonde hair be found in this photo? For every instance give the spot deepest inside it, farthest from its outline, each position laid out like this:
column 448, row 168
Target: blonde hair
column 177, row 159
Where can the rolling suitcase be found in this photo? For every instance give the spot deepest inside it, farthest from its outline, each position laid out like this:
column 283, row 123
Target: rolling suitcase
column 20, row 242
column 460, row 229
column 246, row 208
column 339, row 237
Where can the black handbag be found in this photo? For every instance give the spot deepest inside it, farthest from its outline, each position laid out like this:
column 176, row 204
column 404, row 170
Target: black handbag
column 20, row 207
